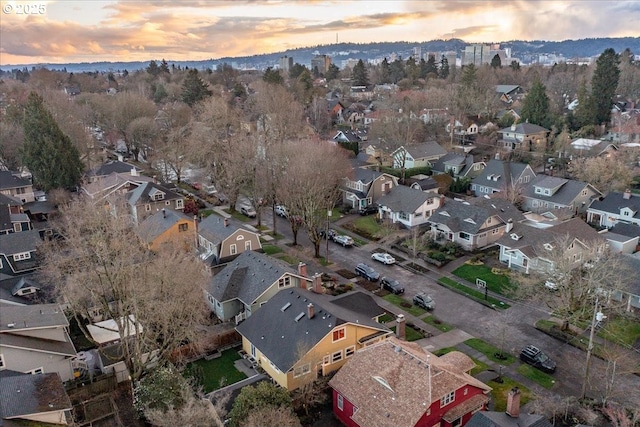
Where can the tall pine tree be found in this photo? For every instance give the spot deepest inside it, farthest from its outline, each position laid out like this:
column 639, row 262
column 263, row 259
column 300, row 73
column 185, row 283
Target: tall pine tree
column 360, row 75
column 536, row 105
column 194, row 89
column 444, row 68
column 604, row 84
column 53, row 160
column 585, row 112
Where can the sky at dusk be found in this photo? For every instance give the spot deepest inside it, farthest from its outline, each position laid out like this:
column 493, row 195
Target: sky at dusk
column 69, row 31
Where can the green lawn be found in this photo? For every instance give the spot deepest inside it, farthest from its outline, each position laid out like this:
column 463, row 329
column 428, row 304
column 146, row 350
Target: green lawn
column 501, row 390
column 289, row 259
column 411, row 334
column 489, row 351
column 237, row 215
column 435, row 322
column 495, row 282
column 471, row 292
column 405, row 305
column 216, row 373
column 480, row 365
column 367, row 224
column 386, row 318
column 621, row 329
column 271, row 249
column 545, row 380
column 444, row 350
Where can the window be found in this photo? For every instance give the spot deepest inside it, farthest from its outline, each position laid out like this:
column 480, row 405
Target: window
column 336, row 357
column 465, row 391
column 465, row 236
column 349, row 351
column 325, row 360
column 301, row 370
column 403, row 215
column 179, row 204
column 526, row 178
column 457, row 423
column 2, row 366
column 340, row 402
column 39, row 370
column 489, row 220
column 240, row 237
column 158, row 196
column 338, row 334
column 284, row 282
column 183, row 227
column 168, row 202
column 234, row 249
column 147, row 207
column 247, row 245
column 16, row 227
column 21, row 256
column 447, row 399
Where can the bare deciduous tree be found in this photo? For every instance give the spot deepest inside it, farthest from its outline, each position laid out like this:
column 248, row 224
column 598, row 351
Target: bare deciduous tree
column 272, row 416
column 605, row 173
column 99, row 264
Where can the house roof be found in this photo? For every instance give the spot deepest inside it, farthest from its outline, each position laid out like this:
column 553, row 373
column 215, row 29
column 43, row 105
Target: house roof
column 111, row 181
column 506, row 88
column 10, row 181
column 404, row 199
column 213, row 229
column 157, row 224
column 246, row 277
column 501, row 419
column 37, row 316
column 23, row 241
column 469, row 216
column 25, row 394
column 453, row 159
column 142, row 193
column 426, row 149
column 6, row 200
column 568, row 189
column 627, row 230
column 111, row 167
column 524, row 129
column 275, row 331
column 366, row 176
column 5, row 218
column 613, row 202
column 506, row 172
column 393, row 383
column 359, row 302
column 64, row 348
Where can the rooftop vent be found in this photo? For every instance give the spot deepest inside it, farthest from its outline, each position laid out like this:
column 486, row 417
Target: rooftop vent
column 299, row 316
column 284, row 307
column 515, row 236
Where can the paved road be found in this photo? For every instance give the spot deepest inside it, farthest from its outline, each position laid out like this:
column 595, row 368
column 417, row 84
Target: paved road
column 510, row 329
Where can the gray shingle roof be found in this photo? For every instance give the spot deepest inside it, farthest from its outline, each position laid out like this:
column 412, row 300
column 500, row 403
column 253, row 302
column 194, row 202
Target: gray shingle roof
column 9, row 181
column 246, row 277
column 24, row 241
column 31, row 316
column 25, row 394
column 508, row 172
column 64, row 348
column 404, row 199
column 478, row 210
column 501, row 419
column 366, row 176
column 141, row 193
column 569, row 189
column 277, row 334
column 506, row 88
column 360, row 303
column 426, row 149
column 524, row 129
column 613, row 202
column 152, row 227
column 214, row 229
column 111, row 167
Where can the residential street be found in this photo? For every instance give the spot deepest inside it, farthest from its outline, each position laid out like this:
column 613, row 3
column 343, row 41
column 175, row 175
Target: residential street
column 512, row 328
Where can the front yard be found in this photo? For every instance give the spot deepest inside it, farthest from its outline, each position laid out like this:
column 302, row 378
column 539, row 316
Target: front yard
column 498, row 283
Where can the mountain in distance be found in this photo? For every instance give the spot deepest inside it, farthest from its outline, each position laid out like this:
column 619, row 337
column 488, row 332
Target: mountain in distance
column 526, row 51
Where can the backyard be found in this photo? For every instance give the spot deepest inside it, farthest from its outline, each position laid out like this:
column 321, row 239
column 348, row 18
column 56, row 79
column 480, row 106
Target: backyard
column 215, row 373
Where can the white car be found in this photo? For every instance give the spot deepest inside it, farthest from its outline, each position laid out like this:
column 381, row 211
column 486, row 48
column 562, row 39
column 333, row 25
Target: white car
column 281, row 211
column 343, row 240
column 383, row 257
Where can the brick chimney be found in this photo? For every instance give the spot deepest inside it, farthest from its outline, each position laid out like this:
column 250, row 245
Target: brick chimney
column 302, row 269
column 442, row 198
column 401, row 332
column 226, row 222
column 627, row 194
column 317, row 283
column 312, row 312
column 513, row 402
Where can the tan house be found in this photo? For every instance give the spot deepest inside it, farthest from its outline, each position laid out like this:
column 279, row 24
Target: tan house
column 366, row 187
column 168, row 227
column 150, row 198
column 524, row 136
column 245, row 284
column 417, row 155
column 34, row 339
column 12, row 184
column 220, row 242
column 300, row 335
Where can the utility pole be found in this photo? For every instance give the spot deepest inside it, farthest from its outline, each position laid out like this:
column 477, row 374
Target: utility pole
column 597, row 317
column 327, row 236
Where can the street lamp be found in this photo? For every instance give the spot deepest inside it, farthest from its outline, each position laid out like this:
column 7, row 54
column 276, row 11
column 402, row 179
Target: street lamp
column 597, row 317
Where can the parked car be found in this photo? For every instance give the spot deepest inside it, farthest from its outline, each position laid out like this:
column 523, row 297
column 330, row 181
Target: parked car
column 343, row 240
column 328, row 233
column 425, row 301
column 369, row 210
column 367, row 272
column 550, row 284
column 383, row 257
column 391, row 285
column 281, row 211
column 538, row 359
column 248, row 211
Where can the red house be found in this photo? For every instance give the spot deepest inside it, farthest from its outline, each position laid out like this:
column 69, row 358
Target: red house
column 396, row 383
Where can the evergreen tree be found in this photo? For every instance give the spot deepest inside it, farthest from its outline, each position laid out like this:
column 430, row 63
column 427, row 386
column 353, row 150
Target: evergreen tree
column 443, row 72
column 153, row 68
column 194, row 89
column 160, row 93
column 432, row 68
column 164, row 67
column 332, row 72
column 585, row 112
column 49, row 154
column 604, row 84
column 515, row 65
column 385, row 71
column 496, row 62
column 296, row 70
column 272, row 76
column 469, row 75
column 360, row 74
column 397, row 71
column 413, row 69
column 536, row 105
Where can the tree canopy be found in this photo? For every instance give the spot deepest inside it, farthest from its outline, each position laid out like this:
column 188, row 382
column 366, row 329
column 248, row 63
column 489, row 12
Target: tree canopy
column 536, row 105
column 194, row 89
column 604, row 84
column 360, row 75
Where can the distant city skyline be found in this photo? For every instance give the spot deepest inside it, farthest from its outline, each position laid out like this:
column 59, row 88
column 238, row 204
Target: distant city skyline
column 107, row 30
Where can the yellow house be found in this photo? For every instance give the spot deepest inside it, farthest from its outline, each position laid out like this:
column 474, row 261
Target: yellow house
column 168, row 226
column 300, row 335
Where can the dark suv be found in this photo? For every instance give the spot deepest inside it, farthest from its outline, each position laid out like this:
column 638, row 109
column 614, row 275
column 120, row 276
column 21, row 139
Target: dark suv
column 424, row 301
column 536, row 358
column 369, row 210
column 391, row 285
column 367, row 272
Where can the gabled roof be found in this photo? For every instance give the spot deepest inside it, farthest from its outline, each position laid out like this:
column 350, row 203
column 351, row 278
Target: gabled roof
column 453, row 159
column 213, row 229
column 613, row 202
column 506, row 172
column 64, row 348
column 155, row 225
column 566, row 190
column 37, row 316
column 404, row 199
column 275, row 331
column 111, row 167
column 24, row 241
column 11, row 285
column 469, row 216
column 393, row 383
column 359, row 302
column 506, row 88
column 425, row 149
column 143, row 193
column 10, row 181
column 502, row 419
column 349, row 135
column 246, row 277
column 6, row 200
column 524, row 129
column 25, row 394
column 113, row 181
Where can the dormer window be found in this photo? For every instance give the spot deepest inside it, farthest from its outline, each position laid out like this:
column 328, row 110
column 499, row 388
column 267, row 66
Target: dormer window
column 156, row 194
column 21, row 256
column 548, row 246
